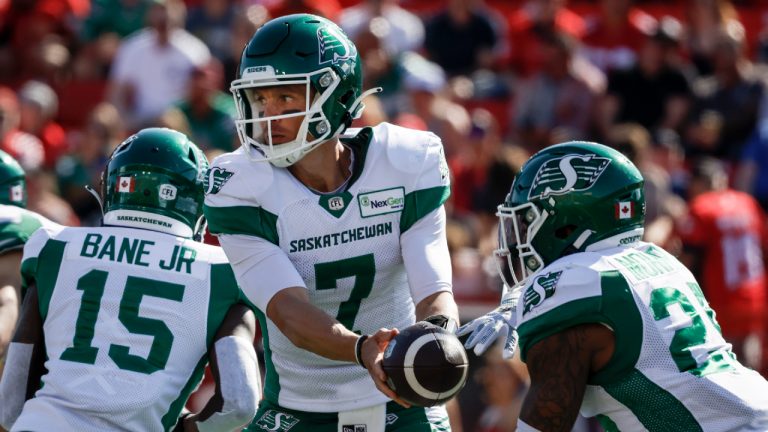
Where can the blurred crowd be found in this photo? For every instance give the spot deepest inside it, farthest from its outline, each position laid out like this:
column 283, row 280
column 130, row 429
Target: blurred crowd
column 679, row 86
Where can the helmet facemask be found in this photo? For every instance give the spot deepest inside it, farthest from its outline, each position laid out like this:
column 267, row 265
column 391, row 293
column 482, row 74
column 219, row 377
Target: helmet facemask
column 516, row 258
column 256, row 130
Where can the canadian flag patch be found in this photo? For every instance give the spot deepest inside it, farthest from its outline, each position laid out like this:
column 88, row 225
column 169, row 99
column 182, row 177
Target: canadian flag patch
column 17, row 193
column 126, row 184
column 625, row 210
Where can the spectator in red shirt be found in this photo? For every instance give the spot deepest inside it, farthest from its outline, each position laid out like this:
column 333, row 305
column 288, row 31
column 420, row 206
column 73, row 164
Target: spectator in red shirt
column 532, row 19
column 724, row 239
column 615, row 36
column 39, row 107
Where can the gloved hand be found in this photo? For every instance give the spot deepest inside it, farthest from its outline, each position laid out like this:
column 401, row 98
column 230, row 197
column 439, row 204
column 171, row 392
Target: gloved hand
column 487, row 328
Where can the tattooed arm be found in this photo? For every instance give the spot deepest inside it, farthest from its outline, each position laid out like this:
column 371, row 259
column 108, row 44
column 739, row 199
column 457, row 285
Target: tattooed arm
column 559, row 366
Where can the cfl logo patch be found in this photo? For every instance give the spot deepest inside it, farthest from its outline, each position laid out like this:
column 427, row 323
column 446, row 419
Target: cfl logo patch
column 336, row 203
column 354, row 428
column 167, row 192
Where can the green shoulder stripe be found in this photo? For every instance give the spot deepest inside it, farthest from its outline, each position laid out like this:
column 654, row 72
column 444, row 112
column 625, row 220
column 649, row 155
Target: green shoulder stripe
column 246, row 220
column 13, row 235
column 420, row 203
column 50, row 259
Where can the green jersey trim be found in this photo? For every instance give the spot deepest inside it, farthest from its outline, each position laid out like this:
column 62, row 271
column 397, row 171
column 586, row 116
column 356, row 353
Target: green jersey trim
column 52, row 255
column 615, row 307
column 607, row 424
column 246, row 220
column 271, row 379
column 359, row 145
column 171, row 417
column 422, row 202
column 656, row 408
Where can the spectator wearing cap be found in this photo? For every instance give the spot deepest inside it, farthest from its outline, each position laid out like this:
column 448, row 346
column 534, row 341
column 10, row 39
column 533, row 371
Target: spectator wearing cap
column 724, row 244
column 39, row 107
column 653, row 92
column 208, row 111
column 152, row 67
column 24, row 147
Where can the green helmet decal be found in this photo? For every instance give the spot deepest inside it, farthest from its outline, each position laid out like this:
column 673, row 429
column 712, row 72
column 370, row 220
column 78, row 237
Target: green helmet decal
column 571, row 197
column 13, row 186
column 154, row 180
column 300, row 49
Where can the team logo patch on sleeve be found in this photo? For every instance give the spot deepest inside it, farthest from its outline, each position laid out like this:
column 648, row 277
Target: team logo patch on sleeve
column 542, row 288
column 215, row 179
column 277, row 421
column 567, row 174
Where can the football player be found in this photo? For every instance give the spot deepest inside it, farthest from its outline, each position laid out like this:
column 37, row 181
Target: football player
column 16, row 226
column 124, row 317
column 336, row 236
column 608, row 324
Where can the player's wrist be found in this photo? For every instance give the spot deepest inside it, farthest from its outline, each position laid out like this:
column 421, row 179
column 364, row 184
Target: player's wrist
column 443, row 321
column 359, row 350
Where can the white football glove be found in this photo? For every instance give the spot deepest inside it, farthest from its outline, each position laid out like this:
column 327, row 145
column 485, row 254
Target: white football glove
column 487, row 328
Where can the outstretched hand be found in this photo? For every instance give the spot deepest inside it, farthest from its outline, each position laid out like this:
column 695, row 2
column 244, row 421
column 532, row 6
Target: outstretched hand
column 372, row 353
column 501, row 321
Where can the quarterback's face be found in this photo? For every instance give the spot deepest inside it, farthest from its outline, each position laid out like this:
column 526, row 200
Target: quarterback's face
column 282, row 101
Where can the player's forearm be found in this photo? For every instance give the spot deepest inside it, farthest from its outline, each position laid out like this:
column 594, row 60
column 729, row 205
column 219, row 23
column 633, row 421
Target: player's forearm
column 310, row 328
column 441, row 303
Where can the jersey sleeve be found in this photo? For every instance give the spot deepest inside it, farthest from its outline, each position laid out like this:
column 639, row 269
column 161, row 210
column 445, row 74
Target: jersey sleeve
column 556, row 300
column 233, row 186
column 261, row 268
column 426, row 257
column 420, row 156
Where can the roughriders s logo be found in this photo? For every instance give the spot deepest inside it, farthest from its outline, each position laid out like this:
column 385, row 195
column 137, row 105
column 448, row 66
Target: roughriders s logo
column 276, row 421
column 215, row 178
column 566, row 174
column 543, row 287
column 333, row 46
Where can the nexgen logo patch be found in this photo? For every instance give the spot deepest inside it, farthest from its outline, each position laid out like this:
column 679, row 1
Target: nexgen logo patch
column 567, row 174
column 381, row 202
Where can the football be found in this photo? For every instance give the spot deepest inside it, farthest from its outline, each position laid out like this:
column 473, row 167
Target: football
column 425, row 364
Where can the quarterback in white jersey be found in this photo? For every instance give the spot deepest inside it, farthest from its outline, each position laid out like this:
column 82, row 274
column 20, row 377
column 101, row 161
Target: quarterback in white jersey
column 331, row 237
column 608, row 324
column 125, row 317
column 16, row 226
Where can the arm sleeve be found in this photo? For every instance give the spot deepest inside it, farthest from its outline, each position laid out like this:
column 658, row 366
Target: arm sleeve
column 14, row 383
column 239, row 382
column 425, row 254
column 261, row 268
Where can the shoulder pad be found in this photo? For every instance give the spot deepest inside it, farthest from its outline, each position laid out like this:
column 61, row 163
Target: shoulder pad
column 235, row 180
column 556, row 286
column 38, row 240
column 408, row 149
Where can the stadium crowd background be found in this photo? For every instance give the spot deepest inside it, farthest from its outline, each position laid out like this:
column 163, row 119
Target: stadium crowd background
column 678, row 86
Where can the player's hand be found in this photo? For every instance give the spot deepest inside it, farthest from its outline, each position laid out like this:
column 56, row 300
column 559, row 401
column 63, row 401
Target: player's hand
column 372, row 353
column 501, row 321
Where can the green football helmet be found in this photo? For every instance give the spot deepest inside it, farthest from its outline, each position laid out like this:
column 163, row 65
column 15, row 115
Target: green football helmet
column 300, row 49
column 13, row 185
column 571, row 197
column 154, row 180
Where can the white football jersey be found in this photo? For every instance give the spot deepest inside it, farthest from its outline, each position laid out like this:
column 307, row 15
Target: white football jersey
column 671, row 369
column 128, row 316
column 346, row 246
